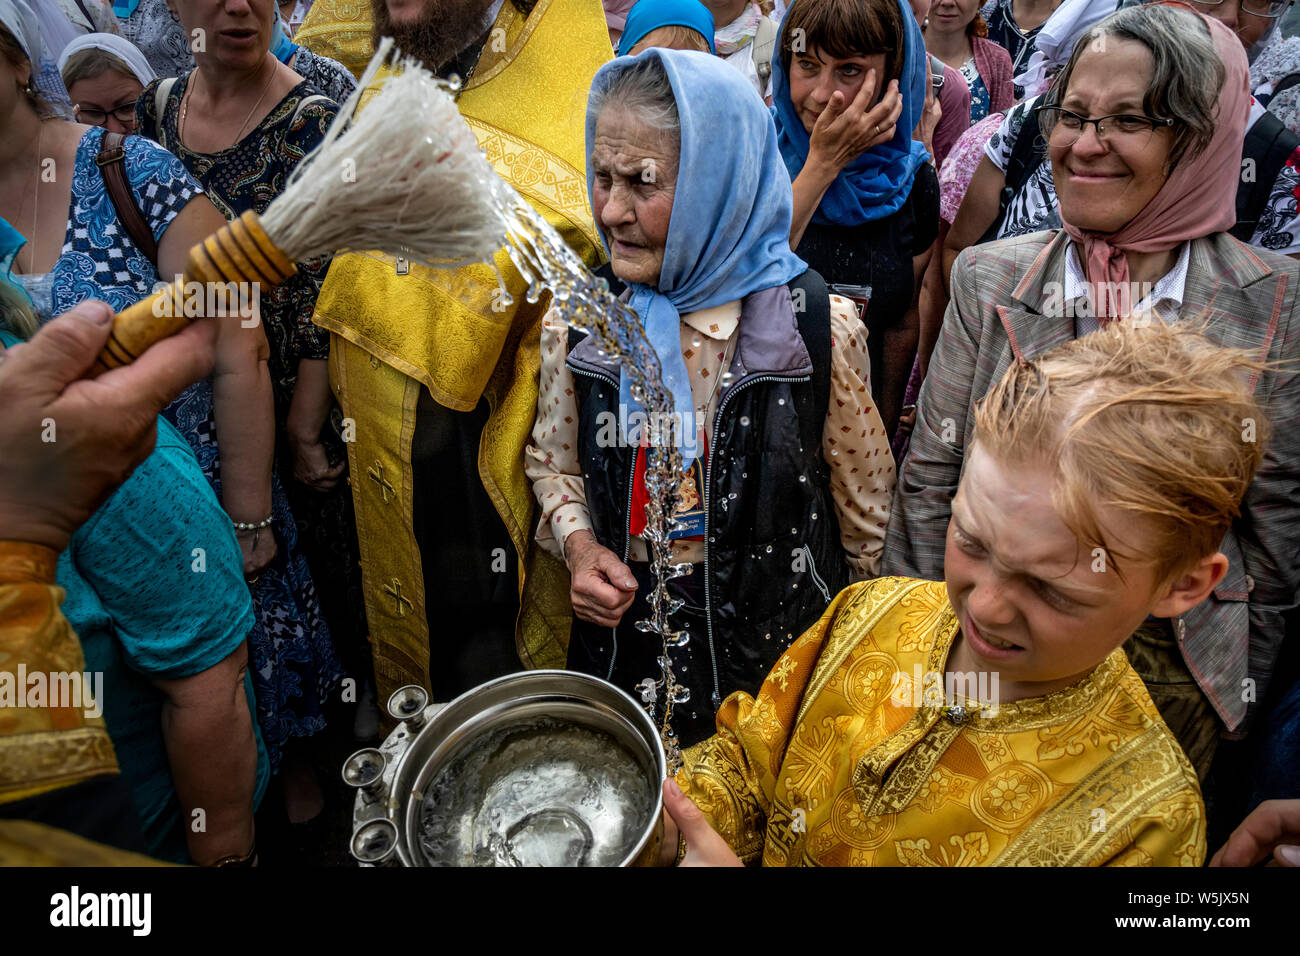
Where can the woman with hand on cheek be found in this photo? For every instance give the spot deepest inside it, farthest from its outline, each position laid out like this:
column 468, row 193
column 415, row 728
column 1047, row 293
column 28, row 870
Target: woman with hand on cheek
column 866, row 201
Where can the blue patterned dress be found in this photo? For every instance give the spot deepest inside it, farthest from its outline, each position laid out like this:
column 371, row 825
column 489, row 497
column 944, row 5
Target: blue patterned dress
column 294, row 665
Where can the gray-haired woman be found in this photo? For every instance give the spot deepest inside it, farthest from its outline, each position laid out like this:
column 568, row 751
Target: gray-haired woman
column 1143, row 132
column 789, row 471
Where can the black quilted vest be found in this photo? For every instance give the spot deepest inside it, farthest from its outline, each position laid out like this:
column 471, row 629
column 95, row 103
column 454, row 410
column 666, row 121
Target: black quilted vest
column 774, row 558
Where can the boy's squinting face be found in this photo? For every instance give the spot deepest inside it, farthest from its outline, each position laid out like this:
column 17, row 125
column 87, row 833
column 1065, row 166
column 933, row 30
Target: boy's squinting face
column 1029, row 603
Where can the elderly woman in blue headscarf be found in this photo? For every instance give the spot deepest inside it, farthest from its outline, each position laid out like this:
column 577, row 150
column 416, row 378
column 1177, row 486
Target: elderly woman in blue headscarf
column 866, row 199
column 789, row 475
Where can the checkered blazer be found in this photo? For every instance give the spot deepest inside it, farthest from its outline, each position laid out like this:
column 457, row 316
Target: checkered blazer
column 1001, row 309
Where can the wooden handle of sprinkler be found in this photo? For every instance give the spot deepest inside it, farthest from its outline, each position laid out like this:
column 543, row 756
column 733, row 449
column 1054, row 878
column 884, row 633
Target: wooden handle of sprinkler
column 240, row 252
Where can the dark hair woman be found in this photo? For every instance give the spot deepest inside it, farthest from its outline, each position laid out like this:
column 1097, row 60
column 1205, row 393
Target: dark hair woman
column 866, row 201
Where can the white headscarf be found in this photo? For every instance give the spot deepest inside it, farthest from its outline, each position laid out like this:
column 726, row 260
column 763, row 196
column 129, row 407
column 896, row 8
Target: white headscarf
column 120, row 47
column 1055, row 41
column 21, row 20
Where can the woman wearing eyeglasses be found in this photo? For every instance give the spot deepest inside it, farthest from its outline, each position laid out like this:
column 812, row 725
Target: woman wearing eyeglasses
column 1143, row 127
column 1012, row 192
column 104, row 75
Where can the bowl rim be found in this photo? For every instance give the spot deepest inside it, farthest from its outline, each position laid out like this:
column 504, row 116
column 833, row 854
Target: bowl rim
column 446, row 718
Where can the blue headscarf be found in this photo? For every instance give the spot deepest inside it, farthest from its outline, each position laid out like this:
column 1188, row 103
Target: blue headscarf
column 10, row 242
column 729, row 233
column 879, row 181
column 282, row 48
column 647, row 15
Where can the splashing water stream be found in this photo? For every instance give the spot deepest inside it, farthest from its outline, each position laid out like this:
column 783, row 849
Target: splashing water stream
column 475, row 210
column 587, row 304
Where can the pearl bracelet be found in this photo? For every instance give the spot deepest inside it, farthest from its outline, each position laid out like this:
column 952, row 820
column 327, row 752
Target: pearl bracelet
column 246, row 526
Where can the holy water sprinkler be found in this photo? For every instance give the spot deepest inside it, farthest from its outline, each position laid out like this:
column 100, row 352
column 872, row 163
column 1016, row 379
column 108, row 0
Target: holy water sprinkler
column 404, row 176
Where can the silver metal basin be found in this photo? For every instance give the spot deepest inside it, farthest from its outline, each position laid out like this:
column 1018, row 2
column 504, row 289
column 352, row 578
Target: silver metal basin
column 549, row 768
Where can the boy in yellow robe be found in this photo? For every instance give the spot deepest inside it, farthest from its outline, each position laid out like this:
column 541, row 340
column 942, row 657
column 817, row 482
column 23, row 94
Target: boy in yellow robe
column 992, row 719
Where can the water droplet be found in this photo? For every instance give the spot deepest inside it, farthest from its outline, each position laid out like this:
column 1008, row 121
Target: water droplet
column 814, row 516
column 744, row 419
column 732, row 496
column 767, row 636
column 780, row 401
column 768, row 549
column 695, row 341
column 727, row 378
column 506, row 300
column 803, row 478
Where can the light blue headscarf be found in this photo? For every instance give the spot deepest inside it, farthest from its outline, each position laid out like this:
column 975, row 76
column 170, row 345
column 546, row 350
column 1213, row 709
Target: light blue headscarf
column 282, row 48
column 11, row 241
column 649, row 15
column 729, row 234
column 878, row 182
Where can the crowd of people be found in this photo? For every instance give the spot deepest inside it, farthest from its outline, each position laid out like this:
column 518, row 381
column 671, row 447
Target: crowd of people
column 981, row 328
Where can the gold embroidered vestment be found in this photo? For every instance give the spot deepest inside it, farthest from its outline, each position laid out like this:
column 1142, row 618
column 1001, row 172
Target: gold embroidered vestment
column 842, row 761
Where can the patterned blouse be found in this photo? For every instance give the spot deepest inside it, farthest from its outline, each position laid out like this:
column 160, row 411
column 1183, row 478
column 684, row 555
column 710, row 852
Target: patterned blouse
column 979, row 93
column 959, row 167
column 160, row 36
column 853, row 434
column 250, row 175
column 99, row 260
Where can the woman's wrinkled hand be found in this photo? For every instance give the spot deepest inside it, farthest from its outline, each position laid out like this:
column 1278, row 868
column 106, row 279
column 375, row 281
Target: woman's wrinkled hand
column 845, row 131
column 602, row 587
column 258, row 550
column 311, row 466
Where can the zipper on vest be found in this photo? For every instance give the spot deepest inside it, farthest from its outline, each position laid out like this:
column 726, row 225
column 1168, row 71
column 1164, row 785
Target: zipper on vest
column 708, row 513
column 627, row 532
column 817, row 578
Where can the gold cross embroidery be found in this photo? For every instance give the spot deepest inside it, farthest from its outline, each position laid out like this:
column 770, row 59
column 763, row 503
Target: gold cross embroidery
column 394, row 590
column 376, row 474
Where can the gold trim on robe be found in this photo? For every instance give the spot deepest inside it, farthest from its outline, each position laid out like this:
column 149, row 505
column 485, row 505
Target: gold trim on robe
column 47, row 747
column 449, row 332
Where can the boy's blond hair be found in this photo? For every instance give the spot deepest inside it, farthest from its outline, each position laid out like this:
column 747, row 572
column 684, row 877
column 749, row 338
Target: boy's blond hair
column 1157, row 422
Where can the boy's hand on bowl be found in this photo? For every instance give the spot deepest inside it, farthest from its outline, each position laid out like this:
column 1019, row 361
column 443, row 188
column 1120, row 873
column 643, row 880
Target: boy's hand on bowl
column 703, row 845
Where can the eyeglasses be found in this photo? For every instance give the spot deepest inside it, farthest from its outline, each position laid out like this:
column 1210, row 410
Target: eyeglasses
column 1272, row 9
column 124, row 114
column 1064, row 128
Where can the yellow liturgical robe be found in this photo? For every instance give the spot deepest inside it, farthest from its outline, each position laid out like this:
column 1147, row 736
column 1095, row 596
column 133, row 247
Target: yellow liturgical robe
column 341, row 30
column 843, row 760
column 449, row 332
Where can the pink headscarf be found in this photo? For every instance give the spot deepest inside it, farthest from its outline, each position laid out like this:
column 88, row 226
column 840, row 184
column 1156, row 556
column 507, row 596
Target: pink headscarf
column 1198, row 198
